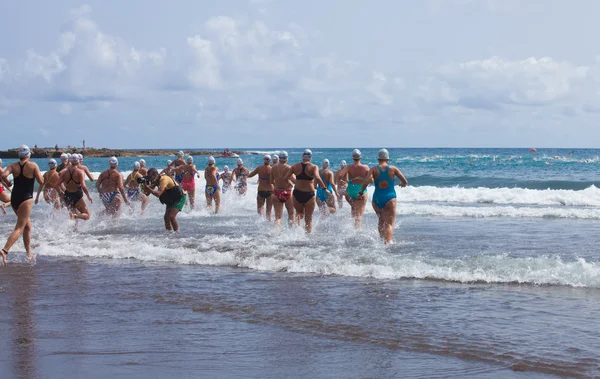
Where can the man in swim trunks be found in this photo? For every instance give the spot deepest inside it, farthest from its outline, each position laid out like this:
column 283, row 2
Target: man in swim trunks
column 325, row 200
column 84, row 168
column 143, row 169
column 170, row 194
column 188, row 172
column 357, row 175
column 175, row 165
column 240, row 175
column 212, row 190
column 133, row 188
column 73, row 180
column 384, row 197
column 225, row 176
column 304, row 191
column 52, row 193
column 283, row 184
column 24, row 173
column 110, row 188
column 341, row 182
column 265, row 187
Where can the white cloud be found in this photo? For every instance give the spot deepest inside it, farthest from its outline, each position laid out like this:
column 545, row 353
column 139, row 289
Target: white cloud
column 65, row 108
column 205, row 72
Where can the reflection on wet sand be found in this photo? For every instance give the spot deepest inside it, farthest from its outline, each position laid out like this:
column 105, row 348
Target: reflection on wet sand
column 21, row 283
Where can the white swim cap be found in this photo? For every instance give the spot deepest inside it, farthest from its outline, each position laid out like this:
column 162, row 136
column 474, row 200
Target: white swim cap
column 211, row 160
column 325, row 163
column 383, row 154
column 113, row 162
column 142, row 162
column 64, row 157
column 283, row 155
column 343, row 163
column 180, row 154
column 267, row 157
column 190, row 159
column 169, row 162
column 74, row 159
column 307, row 153
column 226, row 168
column 24, row 151
column 356, row 154
column 275, row 158
column 240, row 162
column 52, row 163
column 80, row 157
column 69, row 155
column 136, row 165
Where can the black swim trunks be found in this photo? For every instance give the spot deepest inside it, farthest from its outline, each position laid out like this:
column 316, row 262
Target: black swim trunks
column 72, row 198
column 265, row 194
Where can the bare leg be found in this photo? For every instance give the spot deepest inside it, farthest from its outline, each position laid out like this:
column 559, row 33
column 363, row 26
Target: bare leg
column 289, row 205
column 269, row 207
column 208, row 200
column 379, row 213
column 278, row 205
column 81, row 206
column 144, row 199
column 331, row 204
column 358, row 210
column 23, row 223
column 260, row 202
column 389, row 218
column 167, row 219
column 309, row 209
column 217, row 197
column 173, row 218
column 299, row 207
column 192, row 198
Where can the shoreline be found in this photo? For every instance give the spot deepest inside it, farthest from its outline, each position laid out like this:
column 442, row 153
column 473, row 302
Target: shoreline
column 90, row 152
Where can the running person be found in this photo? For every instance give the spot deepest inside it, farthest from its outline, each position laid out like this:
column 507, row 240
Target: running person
column 341, row 182
column 325, row 199
column 356, row 174
column 143, row 169
column 176, row 163
column 384, row 197
column 225, row 177
column 132, row 185
column 64, row 162
column 283, row 185
column 110, row 188
column 73, row 179
column 52, row 192
column 240, row 175
column 25, row 173
column 265, row 187
column 304, row 191
column 188, row 172
column 170, row 194
column 212, row 190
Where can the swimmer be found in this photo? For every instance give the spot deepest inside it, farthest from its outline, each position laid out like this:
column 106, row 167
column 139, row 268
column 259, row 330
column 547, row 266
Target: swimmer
column 133, row 188
column 188, row 172
column 176, row 163
column 24, row 173
column 304, row 191
column 52, row 193
column 143, row 169
column 225, row 177
column 64, row 162
column 341, row 182
column 212, row 190
column 84, row 168
column 357, row 174
column 325, row 199
column 170, row 194
column 240, row 175
column 110, row 188
column 283, row 184
column 265, row 187
column 384, row 197
column 73, row 179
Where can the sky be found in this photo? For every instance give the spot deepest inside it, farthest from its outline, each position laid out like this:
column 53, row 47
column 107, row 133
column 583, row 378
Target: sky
column 311, row 73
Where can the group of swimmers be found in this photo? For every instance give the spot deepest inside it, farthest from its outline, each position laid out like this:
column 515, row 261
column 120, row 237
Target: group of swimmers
column 298, row 188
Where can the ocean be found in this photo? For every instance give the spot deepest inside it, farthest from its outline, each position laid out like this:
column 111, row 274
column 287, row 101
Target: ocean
column 494, row 273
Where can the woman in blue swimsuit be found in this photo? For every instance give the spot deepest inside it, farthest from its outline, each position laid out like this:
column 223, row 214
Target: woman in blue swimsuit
column 357, row 174
column 384, row 197
column 325, row 200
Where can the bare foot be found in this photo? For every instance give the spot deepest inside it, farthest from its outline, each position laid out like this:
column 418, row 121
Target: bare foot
column 4, row 253
column 3, row 207
column 31, row 258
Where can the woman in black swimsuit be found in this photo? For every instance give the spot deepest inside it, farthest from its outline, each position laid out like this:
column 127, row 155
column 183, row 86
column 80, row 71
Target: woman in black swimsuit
column 25, row 173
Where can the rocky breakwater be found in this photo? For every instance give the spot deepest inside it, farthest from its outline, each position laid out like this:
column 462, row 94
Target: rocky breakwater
column 105, row 152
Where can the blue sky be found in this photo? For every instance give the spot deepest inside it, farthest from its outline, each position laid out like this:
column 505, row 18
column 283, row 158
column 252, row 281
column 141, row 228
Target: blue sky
column 337, row 73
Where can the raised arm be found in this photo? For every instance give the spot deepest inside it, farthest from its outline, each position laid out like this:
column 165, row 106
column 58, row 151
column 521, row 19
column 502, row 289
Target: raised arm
column 400, row 176
column 253, row 173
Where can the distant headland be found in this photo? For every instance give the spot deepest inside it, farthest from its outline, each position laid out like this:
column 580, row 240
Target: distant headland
column 90, row 152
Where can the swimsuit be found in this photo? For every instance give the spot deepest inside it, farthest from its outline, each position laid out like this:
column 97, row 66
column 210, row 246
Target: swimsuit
column 108, row 197
column 353, row 190
column 303, row 197
column 321, row 194
column 1, row 188
column 303, row 175
column 22, row 190
column 211, row 189
column 383, row 195
column 188, row 184
column 283, row 195
column 72, row 198
column 178, row 204
column 132, row 194
column 265, row 194
column 60, row 167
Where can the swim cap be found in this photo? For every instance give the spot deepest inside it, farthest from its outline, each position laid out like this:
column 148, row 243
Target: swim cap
column 64, row 157
column 52, row 163
column 275, row 158
column 226, row 168
column 267, row 157
column 113, row 162
column 240, row 162
column 211, row 160
column 74, row 159
column 307, row 153
column 383, row 154
column 190, row 159
column 24, row 151
column 142, row 162
column 283, row 155
column 356, row 154
column 69, row 155
column 136, row 165
column 169, row 162
column 325, row 163
column 0, row 162
column 180, row 154
column 80, row 157
column 343, row 163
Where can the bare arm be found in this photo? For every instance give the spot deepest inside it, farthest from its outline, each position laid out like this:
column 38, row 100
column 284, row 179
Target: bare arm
column 253, row 173
column 366, row 183
column 318, row 179
column 333, row 184
column 100, row 180
column 122, row 189
column 5, row 175
column 399, row 174
column 40, row 188
column 88, row 173
column 83, row 186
